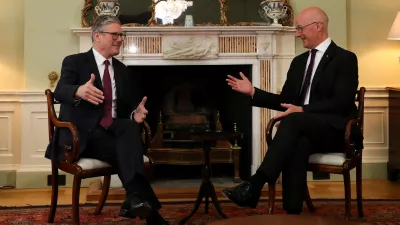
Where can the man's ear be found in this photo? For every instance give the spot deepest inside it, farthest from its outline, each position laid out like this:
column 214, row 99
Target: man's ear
column 96, row 36
column 320, row 26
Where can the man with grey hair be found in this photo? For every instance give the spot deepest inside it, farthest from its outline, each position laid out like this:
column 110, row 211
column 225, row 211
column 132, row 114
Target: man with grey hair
column 97, row 95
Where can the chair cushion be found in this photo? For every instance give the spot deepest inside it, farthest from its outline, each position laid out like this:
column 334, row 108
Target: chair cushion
column 332, row 159
column 88, row 163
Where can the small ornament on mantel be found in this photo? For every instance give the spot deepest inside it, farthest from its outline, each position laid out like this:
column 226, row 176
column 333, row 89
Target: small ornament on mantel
column 276, row 12
column 274, row 9
column 53, row 77
column 107, row 7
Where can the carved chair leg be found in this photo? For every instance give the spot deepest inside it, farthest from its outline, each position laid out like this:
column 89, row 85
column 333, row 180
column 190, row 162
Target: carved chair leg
column 104, row 194
column 54, row 192
column 308, row 200
column 347, row 194
column 271, row 193
column 76, row 188
column 359, row 190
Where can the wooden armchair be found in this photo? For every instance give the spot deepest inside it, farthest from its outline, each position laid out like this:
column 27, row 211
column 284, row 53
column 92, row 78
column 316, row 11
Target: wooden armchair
column 80, row 168
column 337, row 163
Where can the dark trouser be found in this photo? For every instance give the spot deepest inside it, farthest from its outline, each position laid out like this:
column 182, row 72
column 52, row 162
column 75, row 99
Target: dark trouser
column 298, row 136
column 121, row 146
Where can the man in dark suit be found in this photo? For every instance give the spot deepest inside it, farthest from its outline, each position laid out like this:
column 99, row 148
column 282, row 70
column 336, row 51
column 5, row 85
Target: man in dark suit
column 96, row 94
column 316, row 100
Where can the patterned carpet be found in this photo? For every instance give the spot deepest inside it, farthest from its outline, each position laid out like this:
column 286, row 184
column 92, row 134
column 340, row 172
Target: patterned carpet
column 376, row 212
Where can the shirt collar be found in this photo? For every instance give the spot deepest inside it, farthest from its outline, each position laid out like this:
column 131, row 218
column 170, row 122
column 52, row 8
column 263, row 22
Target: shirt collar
column 324, row 45
column 99, row 58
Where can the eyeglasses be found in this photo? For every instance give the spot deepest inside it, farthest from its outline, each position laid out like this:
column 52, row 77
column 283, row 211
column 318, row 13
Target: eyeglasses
column 301, row 28
column 115, row 35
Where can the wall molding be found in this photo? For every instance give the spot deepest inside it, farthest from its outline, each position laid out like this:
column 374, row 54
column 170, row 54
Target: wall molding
column 27, row 132
column 22, row 96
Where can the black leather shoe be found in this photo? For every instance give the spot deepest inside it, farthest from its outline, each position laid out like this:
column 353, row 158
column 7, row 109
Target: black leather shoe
column 242, row 195
column 134, row 207
column 156, row 219
column 163, row 222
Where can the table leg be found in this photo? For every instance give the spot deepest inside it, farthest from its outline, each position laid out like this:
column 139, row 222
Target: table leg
column 196, row 206
column 206, row 205
column 216, row 203
column 207, row 189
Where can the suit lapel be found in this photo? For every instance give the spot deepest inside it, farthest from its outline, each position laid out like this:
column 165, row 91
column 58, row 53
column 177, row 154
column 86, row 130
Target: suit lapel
column 319, row 73
column 301, row 73
column 94, row 69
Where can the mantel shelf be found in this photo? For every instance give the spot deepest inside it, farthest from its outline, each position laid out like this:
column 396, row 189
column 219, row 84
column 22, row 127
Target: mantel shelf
column 198, row 29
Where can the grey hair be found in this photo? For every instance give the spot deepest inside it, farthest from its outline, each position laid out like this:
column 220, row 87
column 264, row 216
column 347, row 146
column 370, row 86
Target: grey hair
column 101, row 21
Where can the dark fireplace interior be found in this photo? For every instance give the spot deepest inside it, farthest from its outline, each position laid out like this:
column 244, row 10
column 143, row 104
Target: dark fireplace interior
column 197, row 93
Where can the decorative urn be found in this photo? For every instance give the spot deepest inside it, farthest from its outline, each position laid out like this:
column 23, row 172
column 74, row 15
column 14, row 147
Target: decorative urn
column 274, row 9
column 107, row 7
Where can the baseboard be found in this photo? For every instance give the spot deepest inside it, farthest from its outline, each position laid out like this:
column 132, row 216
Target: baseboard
column 38, row 179
column 8, row 178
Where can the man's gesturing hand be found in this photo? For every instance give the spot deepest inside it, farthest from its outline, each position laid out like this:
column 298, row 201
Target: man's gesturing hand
column 141, row 111
column 89, row 92
column 289, row 109
column 243, row 86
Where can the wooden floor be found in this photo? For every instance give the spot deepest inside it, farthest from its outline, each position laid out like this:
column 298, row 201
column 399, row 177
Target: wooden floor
column 372, row 189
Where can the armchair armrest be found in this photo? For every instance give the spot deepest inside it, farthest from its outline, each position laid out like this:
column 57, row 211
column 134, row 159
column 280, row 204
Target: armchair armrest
column 70, row 153
column 146, row 136
column 270, row 128
column 350, row 145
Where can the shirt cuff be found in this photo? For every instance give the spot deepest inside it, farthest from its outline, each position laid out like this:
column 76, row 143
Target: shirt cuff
column 134, row 111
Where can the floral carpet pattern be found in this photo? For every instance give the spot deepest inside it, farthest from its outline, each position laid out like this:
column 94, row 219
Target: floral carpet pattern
column 379, row 212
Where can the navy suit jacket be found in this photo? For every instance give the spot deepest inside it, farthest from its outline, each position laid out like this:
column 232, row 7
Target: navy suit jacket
column 76, row 71
column 333, row 87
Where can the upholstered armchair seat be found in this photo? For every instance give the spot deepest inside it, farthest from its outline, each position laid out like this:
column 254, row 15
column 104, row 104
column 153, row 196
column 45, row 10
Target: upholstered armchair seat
column 89, row 164
column 331, row 159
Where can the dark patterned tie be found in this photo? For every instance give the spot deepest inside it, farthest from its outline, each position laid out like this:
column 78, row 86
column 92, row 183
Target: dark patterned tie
column 307, row 79
column 106, row 120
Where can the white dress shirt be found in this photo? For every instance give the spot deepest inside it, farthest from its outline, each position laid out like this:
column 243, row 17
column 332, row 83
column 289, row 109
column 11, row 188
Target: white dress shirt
column 321, row 49
column 100, row 64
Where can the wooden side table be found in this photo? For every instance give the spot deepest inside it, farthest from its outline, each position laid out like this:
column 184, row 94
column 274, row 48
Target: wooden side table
column 207, row 189
column 393, row 165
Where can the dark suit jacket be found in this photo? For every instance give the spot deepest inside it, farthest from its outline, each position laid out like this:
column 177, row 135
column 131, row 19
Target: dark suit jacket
column 76, row 70
column 333, row 87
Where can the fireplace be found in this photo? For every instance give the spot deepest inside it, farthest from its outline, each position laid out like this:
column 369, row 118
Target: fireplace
column 265, row 51
column 194, row 97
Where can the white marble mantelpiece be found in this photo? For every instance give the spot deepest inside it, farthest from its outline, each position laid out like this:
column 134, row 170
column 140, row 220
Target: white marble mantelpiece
column 268, row 49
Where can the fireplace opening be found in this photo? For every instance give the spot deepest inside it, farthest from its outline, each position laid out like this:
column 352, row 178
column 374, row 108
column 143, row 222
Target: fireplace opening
column 195, row 97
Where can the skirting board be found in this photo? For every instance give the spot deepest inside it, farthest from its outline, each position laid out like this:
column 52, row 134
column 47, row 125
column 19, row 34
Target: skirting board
column 38, row 179
column 24, row 113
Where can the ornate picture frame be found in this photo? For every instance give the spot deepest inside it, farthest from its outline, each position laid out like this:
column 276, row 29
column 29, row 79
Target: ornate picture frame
column 89, row 5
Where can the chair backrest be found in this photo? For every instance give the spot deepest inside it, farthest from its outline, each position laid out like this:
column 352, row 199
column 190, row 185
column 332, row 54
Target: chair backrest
column 360, row 99
column 51, row 112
